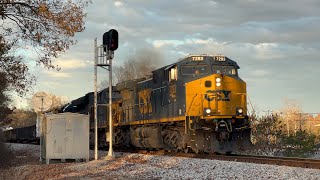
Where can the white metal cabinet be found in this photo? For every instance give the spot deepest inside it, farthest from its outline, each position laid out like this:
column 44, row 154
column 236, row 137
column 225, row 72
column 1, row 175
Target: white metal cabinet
column 66, row 136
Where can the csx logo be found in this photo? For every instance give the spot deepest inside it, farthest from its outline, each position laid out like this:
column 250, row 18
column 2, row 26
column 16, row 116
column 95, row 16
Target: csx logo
column 217, row 95
column 145, row 106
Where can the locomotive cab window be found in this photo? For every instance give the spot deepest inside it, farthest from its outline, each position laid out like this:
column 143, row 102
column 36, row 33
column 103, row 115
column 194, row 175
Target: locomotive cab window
column 173, row 75
column 226, row 70
column 194, row 69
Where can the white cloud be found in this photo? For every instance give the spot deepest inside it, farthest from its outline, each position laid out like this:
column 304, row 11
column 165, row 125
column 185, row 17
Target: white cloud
column 186, row 42
column 198, row 41
column 266, row 46
column 160, row 43
column 259, row 72
column 266, row 51
column 118, row 3
column 71, row 64
column 53, row 84
column 57, row 74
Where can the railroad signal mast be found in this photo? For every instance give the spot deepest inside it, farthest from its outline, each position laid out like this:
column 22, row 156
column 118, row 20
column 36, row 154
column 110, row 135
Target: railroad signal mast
column 103, row 56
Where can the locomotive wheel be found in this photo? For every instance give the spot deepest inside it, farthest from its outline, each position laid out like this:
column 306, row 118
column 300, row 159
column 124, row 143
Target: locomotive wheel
column 174, row 138
column 120, row 138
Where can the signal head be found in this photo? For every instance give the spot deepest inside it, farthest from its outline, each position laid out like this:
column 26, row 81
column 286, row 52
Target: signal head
column 110, row 40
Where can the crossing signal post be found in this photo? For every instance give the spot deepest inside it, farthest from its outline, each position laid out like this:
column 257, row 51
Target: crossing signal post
column 103, row 57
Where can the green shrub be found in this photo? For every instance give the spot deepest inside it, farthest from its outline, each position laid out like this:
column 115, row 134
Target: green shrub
column 269, row 136
column 299, row 144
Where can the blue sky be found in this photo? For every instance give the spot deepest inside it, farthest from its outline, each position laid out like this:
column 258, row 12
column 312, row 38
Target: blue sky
column 276, row 44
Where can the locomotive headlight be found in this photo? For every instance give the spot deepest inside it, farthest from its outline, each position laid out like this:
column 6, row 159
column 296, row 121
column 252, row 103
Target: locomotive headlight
column 218, row 82
column 239, row 111
column 207, row 111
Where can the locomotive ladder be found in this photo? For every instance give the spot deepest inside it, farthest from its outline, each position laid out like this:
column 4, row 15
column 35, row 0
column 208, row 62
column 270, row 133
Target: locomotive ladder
column 192, row 134
column 193, row 144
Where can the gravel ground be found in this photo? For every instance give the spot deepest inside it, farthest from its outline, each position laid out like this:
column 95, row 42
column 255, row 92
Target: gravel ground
column 137, row 166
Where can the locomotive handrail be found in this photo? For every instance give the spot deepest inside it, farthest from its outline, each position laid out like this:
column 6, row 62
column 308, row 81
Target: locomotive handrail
column 243, row 95
column 189, row 125
column 191, row 103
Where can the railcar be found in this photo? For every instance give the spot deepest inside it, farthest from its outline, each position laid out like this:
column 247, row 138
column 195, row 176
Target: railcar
column 22, row 134
column 198, row 103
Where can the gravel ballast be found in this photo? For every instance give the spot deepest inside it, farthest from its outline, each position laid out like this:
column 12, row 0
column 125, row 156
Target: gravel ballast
column 139, row 166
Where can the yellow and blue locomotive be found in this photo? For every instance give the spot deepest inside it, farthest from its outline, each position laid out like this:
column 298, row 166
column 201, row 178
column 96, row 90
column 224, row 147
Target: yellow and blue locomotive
column 198, row 103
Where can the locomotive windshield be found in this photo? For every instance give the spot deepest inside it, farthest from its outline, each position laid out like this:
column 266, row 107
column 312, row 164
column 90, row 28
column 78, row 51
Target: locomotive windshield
column 226, row 70
column 194, row 69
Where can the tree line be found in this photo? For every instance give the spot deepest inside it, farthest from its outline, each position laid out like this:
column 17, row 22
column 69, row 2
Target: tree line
column 47, row 27
column 289, row 132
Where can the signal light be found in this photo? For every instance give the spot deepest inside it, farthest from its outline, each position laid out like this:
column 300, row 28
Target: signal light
column 113, row 40
column 110, row 40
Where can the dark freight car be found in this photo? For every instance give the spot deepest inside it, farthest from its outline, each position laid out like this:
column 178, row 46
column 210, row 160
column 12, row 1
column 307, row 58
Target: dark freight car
column 23, row 134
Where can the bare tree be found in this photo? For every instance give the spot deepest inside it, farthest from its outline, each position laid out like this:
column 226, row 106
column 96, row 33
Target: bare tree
column 14, row 70
column 103, row 84
column 4, row 100
column 48, row 25
column 23, row 118
column 291, row 116
column 138, row 65
column 125, row 72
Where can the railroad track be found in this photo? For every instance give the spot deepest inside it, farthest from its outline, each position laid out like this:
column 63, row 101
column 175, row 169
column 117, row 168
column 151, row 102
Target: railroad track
column 281, row 161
